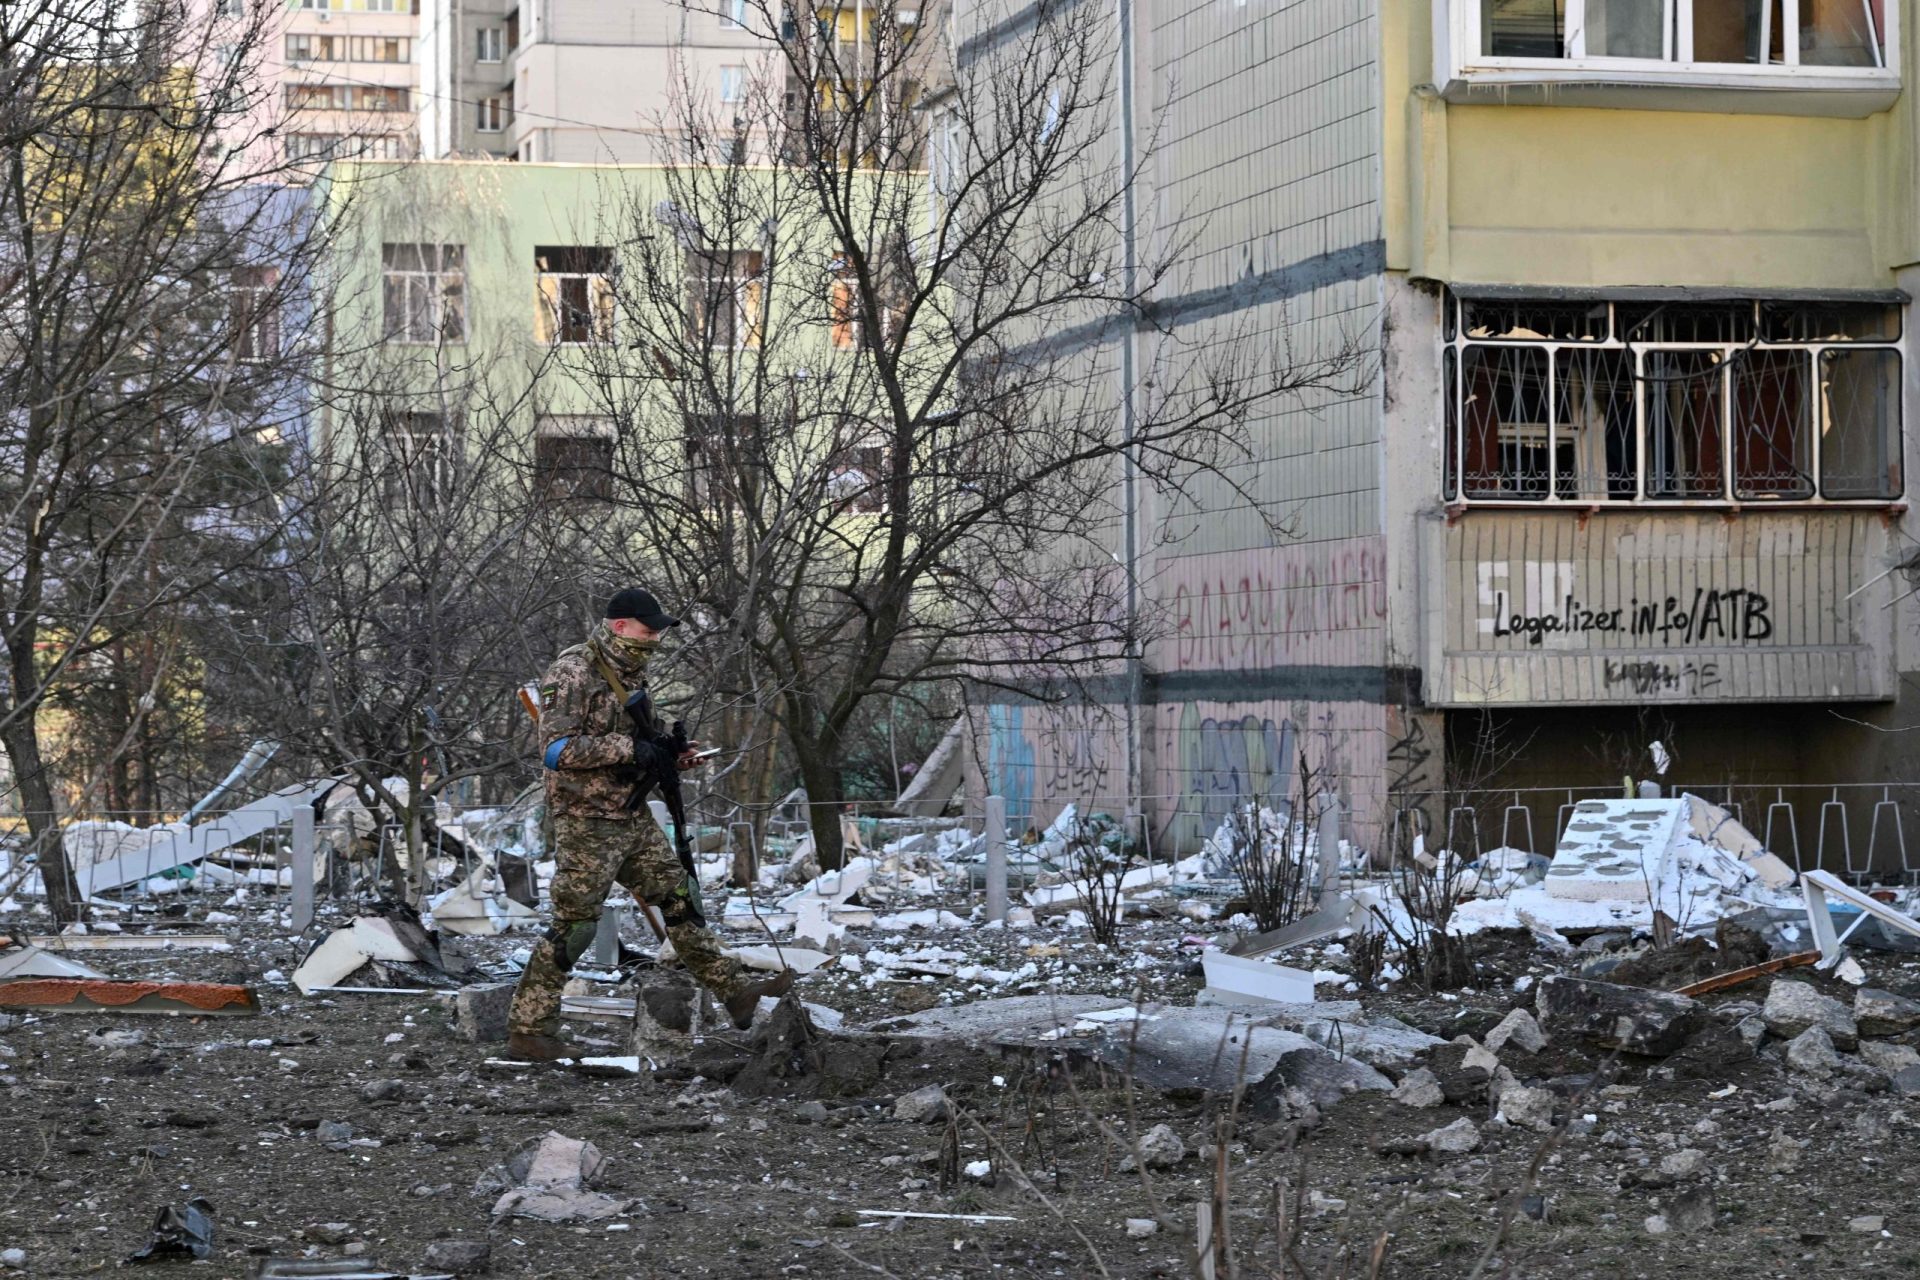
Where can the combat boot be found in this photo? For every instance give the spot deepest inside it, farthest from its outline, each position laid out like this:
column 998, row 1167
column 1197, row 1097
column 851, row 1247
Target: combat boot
column 529, row 1047
column 742, row 1003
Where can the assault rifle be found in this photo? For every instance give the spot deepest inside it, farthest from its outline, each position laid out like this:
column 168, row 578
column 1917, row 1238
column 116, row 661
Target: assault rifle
column 662, row 774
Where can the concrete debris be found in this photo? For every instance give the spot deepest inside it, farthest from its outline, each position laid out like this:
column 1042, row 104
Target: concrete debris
column 1812, row 1052
column 552, row 1177
column 462, row 1257
column 105, row 995
column 1526, row 1108
column 1887, row 1057
column 1456, row 1139
column 1520, row 1030
column 1712, row 825
column 1230, row 975
column 474, row 909
column 480, row 1012
column 1792, row 1007
column 1419, row 1089
column 1630, row 1019
column 922, row 1106
column 1867, row 1224
column 1141, row 1228
column 1693, row 1210
column 395, row 937
column 1783, row 1151
column 1684, row 1165
column 1883, row 1013
column 1160, row 1148
column 1906, row 1082
column 38, row 962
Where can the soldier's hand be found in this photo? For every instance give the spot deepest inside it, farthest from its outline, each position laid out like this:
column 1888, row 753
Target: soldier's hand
column 689, row 757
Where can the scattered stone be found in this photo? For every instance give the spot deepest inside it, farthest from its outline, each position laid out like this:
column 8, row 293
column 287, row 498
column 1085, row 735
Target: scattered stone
column 1160, row 1148
column 1684, row 1165
column 461, row 1257
column 1632, row 1019
column 1477, row 1057
column 922, row 1106
column 1868, row 1224
column 383, row 1090
column 1419, row 1088
column 1456, row 1139
column 1320, row 1204
column 1518, row 1029
column 333, row 1131
column 1693, row 1210
column 1656, row 1224
column 1792, row 1007
column 1141, row 1228
column 1850, row 972
column 1783, row 1152
column 1459, row 1083
column 15, row 1259
column 1906, row 1082
column 480, row 1012
column 813, row 1112
column 1812, row 1052
column 552, row 1176
column 329, row 1232
column 979, row 1170
column 1883, row 1013
column 1889, row 1058
column 1527, row 1108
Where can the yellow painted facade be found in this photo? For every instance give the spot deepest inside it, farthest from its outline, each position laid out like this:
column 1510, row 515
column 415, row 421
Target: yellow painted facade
column 1668, row 187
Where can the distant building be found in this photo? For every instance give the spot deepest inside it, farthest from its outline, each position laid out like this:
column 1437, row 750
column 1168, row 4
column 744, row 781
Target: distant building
column 339, row 78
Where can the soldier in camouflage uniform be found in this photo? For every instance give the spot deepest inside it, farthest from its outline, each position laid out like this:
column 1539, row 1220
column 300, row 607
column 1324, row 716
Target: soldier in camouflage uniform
column 589, row 751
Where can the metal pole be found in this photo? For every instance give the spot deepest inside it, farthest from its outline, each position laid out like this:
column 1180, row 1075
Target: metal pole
column 606, row 940
column 996, row 837
column 301, row 867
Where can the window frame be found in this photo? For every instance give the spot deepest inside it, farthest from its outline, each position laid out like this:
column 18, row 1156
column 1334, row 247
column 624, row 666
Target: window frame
column 1461, row 66
column 490, row 114
column 550, row 472
column 738, row 275
column 550, row 287
column 426, row 451
column 254, row 307
column 1815, row 420
column 481, row 44
column 443, row 283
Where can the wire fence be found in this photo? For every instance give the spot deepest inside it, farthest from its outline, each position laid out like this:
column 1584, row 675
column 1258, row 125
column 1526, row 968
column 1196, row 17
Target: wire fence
column 255, row 854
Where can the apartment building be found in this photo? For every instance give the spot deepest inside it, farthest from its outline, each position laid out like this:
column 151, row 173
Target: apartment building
column 580, row 81
column 1633, row 463
column 340, row 78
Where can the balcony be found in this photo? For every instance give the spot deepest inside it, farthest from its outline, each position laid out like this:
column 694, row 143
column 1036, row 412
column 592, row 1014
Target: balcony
column 1787, row 57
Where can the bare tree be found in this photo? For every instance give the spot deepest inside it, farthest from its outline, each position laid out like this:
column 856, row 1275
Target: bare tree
column 146, row 279
column 877, row 441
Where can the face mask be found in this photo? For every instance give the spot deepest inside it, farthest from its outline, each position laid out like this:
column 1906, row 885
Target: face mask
column 627, row 649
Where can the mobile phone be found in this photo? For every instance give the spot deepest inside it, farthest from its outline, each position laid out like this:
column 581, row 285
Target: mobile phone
column 700, row 757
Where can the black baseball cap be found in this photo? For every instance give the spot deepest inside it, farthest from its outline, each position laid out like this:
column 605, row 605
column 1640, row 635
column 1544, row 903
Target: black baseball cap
column 638, row 604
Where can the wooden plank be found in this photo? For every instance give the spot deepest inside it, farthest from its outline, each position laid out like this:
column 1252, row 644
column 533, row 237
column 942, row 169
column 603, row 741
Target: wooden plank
column 1722, row 981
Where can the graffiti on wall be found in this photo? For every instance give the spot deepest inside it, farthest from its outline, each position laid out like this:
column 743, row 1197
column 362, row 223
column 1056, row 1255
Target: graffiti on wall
column 1043, row 758
column 1273, row 606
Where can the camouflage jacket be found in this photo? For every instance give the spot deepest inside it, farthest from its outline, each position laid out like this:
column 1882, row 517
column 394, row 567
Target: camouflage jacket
column 587, row 738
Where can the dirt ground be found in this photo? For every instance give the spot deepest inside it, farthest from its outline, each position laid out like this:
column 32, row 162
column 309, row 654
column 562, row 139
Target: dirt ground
column 97, row 1136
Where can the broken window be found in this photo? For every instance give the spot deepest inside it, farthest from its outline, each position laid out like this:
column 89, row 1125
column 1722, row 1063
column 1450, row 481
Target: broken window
column 1596, row 402
column 1814, row 33
column 723, row 297
column 424, row 292
column 255, row 312
column 575, row 284
column 573, row 458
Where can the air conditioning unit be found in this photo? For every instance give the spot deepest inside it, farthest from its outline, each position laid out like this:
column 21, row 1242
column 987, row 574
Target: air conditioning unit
column 323, row 15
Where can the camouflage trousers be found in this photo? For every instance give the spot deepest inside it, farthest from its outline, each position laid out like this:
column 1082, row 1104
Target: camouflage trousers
column 593, row 854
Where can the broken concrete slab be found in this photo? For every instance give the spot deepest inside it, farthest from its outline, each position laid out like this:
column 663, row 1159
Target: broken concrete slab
column 1456, row 1139
column 1419, row 1088
column 1379, row 1040
column 1175, row 1048
column 470, row 910
column 338, row 955
column 774, row 959
column 1616, row 850
column 1812, row 1051
column 922, row 1106
column 1884, row 1013
column 1887, row 1057
column 1631, row 1019
column 1527, row 1108
column 1714, row 826
column 1160, row 1148
column 553, row 1175
column 1792, row 1007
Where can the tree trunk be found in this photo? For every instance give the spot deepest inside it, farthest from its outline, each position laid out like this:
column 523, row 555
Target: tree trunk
column 43, row 822
column 821, row 777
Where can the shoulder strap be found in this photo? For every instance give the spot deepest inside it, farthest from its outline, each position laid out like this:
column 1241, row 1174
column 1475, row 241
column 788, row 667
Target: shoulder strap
column 607, row 674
